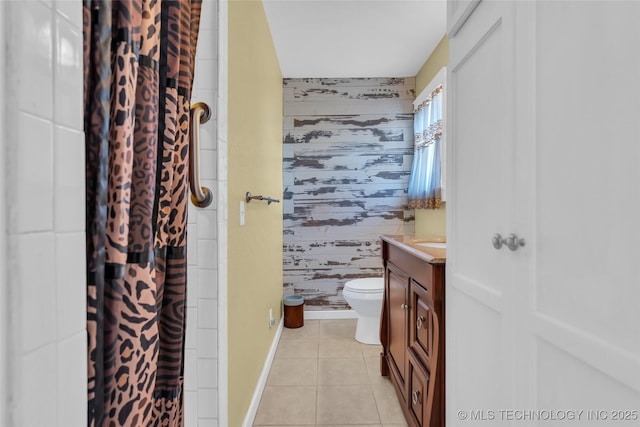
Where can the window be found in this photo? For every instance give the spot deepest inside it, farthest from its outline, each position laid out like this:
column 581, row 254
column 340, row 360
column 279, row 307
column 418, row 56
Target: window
column 427, row 181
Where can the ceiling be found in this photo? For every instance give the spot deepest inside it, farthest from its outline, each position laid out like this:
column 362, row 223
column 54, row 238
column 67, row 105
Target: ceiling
column 354, row 38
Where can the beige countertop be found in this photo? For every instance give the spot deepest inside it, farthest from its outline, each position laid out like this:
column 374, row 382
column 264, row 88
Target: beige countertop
column 410, row 244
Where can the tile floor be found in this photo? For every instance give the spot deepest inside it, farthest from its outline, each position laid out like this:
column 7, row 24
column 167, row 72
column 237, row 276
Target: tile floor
column 321, row 376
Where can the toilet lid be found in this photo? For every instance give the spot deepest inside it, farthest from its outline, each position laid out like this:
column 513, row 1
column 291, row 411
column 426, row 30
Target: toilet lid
column 369, row 285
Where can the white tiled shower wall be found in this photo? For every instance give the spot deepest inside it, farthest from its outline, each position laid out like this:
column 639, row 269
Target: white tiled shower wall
column 43, row 176
column 42, row 256
column 201, row 347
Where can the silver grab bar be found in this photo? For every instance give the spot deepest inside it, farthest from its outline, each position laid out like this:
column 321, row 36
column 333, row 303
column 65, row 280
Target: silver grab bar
column 200, row 196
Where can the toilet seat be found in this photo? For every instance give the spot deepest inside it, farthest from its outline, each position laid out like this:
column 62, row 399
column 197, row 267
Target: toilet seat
column 368, row 285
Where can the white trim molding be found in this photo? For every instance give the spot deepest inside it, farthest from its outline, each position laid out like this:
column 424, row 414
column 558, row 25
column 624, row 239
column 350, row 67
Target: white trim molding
column 221, row 207
column 330, row 314
column 4, row 293
column 262, row 381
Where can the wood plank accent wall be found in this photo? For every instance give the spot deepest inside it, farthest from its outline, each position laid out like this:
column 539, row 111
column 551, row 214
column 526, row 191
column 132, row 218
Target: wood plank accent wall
column 347, row 153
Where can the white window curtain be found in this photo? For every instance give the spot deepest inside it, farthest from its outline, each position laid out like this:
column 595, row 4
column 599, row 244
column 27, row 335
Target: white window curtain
column 425, row 183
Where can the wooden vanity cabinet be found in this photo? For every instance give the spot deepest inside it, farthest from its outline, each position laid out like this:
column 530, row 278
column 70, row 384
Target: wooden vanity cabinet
column 418, row 392
column 412, row 333
column 397, row 285
column 421, row 323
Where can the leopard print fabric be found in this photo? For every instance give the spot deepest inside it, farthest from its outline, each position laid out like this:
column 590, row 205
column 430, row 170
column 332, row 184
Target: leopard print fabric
column 138, row 74
column 97, row 81
column 172, row 301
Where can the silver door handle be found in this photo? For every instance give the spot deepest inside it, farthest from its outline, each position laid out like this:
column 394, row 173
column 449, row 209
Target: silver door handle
column 497, row 241
column 511, row 241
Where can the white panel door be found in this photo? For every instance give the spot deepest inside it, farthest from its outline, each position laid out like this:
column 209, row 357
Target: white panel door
column 583, row 311
column 551, row 330
column 457, row 13
column 481, row 200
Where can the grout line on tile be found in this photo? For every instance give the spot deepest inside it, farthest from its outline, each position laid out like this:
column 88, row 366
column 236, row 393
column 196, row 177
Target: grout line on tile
column 361, row 356
column 375, row 401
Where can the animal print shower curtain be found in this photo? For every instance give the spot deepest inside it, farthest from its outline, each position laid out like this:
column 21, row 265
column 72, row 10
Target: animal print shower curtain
column 138, row 62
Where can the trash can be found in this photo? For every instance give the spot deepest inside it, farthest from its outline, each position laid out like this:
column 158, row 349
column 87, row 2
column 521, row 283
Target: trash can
column 293, row 311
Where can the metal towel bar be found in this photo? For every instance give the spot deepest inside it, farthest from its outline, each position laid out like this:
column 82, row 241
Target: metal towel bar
column 269, row 200
column 200, row 196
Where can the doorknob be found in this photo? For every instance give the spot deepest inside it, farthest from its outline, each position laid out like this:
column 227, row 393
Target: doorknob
column 511, row 241
column 497, row 241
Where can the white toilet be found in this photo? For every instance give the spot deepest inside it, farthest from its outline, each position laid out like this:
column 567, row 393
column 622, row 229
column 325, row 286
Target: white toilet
column 365, row 297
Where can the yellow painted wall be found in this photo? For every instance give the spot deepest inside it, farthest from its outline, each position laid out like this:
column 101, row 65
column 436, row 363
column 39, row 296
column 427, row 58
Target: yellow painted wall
column 255, row 165
column 439, row 58
column 432, row 223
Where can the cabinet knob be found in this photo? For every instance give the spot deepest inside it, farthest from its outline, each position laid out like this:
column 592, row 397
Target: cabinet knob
column 415, row 397
column 404, row 306
column 420, row 322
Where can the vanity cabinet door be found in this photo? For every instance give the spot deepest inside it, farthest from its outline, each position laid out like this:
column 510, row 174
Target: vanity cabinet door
column 420, row 322
column 418, row 393
column 397, row 286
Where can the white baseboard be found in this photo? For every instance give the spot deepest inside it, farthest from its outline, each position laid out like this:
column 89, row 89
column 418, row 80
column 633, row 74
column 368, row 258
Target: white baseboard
column 262, row 381
column 330, row 314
